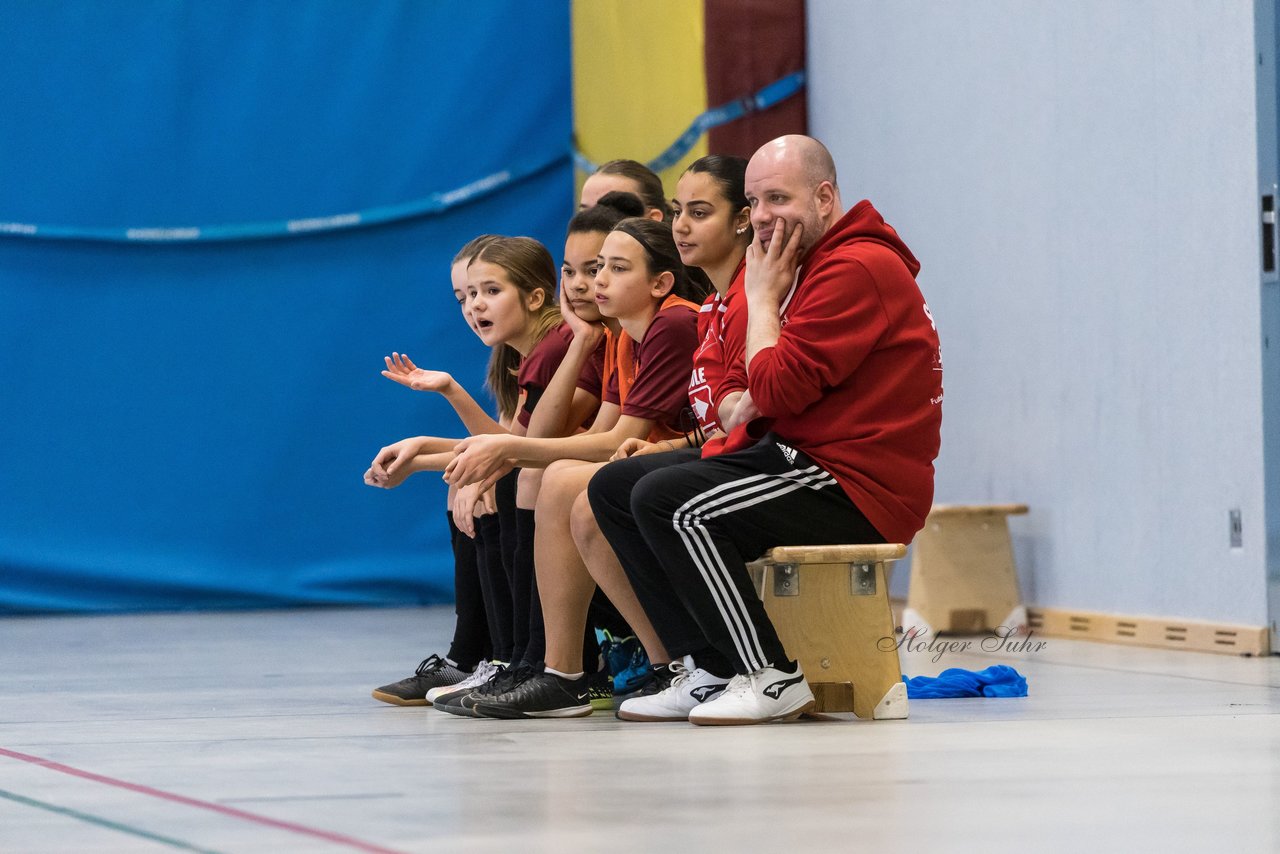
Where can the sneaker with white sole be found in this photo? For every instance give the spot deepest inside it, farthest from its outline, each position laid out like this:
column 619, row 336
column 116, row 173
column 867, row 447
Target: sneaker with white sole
column 484, row 671
column 690, row 687
column 463, row 703
column 768, row 694
column 543, row 695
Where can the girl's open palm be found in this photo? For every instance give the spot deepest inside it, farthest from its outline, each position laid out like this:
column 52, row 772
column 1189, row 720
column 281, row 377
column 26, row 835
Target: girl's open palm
column 402, row 369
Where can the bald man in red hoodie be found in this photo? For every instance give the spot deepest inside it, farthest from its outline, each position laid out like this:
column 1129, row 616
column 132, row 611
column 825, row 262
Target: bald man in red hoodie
column 832, row 442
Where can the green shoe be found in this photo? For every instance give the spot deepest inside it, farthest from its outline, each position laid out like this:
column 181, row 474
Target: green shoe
column 600, row 691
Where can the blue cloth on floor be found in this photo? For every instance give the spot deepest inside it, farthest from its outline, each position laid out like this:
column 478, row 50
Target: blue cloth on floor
column 998, row 680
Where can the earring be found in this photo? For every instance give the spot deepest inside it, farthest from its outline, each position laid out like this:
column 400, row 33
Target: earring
column 742, row 230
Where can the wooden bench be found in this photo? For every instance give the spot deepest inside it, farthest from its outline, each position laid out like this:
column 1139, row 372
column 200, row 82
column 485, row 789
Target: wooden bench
column 963, row 576
column 830, row 606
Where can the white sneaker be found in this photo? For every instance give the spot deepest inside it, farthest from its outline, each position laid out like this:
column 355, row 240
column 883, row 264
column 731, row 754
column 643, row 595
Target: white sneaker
column 769, row 694
column 483, row 673
column 690, row 687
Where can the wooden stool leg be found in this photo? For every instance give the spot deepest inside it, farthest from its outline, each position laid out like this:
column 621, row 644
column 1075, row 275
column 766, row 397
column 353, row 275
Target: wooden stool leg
column 835, row 619
column 963, row 577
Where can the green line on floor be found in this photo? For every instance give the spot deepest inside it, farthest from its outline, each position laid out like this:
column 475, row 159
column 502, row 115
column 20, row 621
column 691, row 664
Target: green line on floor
column 102, row 822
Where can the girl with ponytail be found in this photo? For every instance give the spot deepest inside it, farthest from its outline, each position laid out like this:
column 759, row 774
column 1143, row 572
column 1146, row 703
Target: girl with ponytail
column 627, row 176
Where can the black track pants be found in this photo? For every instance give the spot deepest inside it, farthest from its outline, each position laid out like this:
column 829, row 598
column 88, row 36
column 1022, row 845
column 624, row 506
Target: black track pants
column 695, row 525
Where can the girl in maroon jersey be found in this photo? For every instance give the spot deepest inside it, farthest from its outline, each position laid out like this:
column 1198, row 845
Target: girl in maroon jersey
column 640, row 268
column 581, row 368
column 477, row 561
column 509, row 292
column 712, row 231
column 712, row 227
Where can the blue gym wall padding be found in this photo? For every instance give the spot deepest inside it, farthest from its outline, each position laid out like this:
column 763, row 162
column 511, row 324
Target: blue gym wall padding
column 185, row 424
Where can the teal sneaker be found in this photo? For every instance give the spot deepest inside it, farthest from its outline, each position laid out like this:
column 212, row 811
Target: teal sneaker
column 625, row 660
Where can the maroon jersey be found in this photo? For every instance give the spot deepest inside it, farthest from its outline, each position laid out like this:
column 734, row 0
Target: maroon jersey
column 592, row 377
column 659, row 390
column 540, row 366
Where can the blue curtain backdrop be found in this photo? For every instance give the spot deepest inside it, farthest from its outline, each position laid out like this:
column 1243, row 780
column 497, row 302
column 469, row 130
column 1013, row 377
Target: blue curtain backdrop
column 185, row 424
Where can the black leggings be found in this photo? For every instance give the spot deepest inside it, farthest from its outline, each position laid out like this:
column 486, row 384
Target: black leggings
column 495, row 566
column 530, row 634
column 493, row 583
column 471, row 638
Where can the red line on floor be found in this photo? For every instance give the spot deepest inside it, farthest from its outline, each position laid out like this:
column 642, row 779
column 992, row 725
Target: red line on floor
column 336, row 838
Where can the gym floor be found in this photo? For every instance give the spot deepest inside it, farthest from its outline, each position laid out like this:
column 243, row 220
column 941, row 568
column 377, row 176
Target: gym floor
column 255, row 731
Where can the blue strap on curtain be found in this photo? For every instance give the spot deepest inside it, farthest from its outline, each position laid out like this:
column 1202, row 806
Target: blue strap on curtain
column 434, row 203
column 775, row 93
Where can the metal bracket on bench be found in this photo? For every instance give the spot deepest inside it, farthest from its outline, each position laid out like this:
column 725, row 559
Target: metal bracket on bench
column 862, row 579
column 786, row 579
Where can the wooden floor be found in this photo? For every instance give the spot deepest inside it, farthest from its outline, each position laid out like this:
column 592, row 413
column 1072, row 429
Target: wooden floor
column 256, row 732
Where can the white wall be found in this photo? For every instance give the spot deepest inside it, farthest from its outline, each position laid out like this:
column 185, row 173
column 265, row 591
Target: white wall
column 1078, row 179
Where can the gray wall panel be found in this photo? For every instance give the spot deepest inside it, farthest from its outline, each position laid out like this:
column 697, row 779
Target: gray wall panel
column 1078, row 180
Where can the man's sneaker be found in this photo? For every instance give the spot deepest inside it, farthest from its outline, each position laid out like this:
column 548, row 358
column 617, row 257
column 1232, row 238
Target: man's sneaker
column 600, row 689
column 484, row 671
column 769, row 694
column 686, row 690
column 625, row 660
column 543, row 695
column 464, row 702
column 433, row 672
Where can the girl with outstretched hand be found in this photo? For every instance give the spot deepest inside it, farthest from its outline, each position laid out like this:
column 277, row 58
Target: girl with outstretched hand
column 479, row 598
column 510, row 291
column 641, row 283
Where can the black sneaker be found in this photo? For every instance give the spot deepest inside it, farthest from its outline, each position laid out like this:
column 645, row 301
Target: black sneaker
column 463, row 703
column 431, row 673
column 510, row 678
column 451, row 704
column 544, row 695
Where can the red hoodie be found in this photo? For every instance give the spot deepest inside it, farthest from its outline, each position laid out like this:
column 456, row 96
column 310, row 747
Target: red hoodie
column 855, row 379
